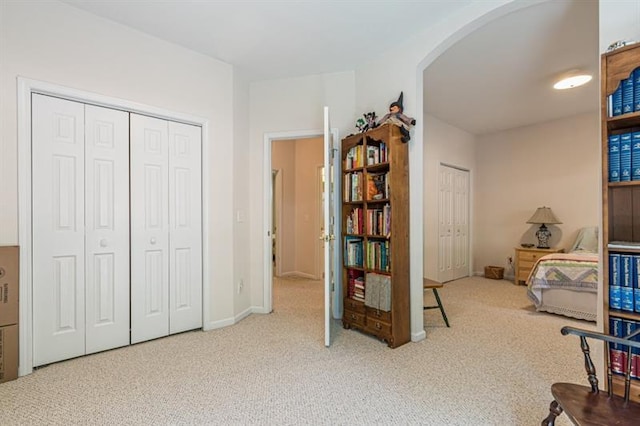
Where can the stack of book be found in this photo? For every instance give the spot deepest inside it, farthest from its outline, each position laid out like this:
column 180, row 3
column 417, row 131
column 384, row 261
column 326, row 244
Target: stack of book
column 626, row 98
column 624, row 282
column 377, row 154
column 354, row 223
column 379, row 221
column 353, row 253
column 378, row 255
column 353, row 187
column 355, row 158
column 624, row 157
column 619, row 327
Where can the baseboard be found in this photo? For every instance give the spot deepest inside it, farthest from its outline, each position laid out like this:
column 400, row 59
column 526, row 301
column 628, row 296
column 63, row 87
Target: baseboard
column 213, row 325
column 416, row 337
column 259, row 310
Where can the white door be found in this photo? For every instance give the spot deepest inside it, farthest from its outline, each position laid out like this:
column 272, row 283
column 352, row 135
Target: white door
column 329, row 225
column 149, row 228
column 80, row 229
column 445, row 223
column 58, row 229
column 461, row 224
column 185, row 227
column 453, row 223
column 106, row 228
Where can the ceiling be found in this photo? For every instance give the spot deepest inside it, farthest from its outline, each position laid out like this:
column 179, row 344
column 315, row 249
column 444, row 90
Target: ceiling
column 496, row 78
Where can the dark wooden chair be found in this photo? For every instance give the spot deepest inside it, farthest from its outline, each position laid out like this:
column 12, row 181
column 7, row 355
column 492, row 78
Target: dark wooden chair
column 588, row 405
column 428, row 284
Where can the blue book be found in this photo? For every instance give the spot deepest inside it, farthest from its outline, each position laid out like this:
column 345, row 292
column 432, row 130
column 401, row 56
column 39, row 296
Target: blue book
column 627, row 95
column 615, row 301
column 636, row 89
column 625, row 157
column 636, row 283
column 616, row 102
column 628, row 328
column 635, row 155
column 626, row 282
column 614, row 158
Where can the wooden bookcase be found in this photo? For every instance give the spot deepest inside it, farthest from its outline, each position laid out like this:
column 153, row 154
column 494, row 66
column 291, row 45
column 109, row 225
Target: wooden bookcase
column 375, row 233
column 620, row 200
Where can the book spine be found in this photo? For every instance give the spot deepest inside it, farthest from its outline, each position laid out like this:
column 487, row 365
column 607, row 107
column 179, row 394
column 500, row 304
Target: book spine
column 614, row 158
column 615, row 350
column 628, row 328
column 614, row 281
column 625, row 157
column 635, row 155
column 636, row 90
column 626, row 284
column 636, row 283
column 616, row 101
column 627, row 95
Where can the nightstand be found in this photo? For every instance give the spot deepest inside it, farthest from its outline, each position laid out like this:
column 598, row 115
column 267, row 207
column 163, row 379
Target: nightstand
column 526, row 258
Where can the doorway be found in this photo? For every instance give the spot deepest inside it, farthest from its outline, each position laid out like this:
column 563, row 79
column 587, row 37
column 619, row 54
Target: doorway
column 296, row 214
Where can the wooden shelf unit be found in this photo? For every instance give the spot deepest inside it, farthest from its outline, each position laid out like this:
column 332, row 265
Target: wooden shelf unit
column 393, row 326
column 620, row 200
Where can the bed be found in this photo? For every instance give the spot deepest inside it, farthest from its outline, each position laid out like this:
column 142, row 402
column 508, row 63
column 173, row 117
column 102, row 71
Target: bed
column 567, row 283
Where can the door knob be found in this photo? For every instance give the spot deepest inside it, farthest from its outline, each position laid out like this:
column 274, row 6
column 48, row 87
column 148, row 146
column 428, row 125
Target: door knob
column 103, row 242
column 152, row 240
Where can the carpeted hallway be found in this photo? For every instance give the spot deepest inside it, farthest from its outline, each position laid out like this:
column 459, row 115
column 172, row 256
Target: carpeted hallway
column 494, row 366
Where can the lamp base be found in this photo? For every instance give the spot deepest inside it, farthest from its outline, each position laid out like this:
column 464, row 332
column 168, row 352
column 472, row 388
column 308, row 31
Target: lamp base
column 543, row 235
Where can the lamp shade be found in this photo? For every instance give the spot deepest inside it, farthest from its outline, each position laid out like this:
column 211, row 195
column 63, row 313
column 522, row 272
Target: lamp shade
column 544, row 215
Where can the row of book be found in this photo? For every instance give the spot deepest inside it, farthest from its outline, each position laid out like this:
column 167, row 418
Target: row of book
column 624, row 282
column 619, row 327
column 378, row 256
column 355, row 284
column 624, row 157
column 369, row 254
column 378, row 221
column 375, row 154
column 626, row 98
column 377, row 186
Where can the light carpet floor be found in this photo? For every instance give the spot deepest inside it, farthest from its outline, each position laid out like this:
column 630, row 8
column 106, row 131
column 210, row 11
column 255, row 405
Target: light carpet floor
column 494, row 366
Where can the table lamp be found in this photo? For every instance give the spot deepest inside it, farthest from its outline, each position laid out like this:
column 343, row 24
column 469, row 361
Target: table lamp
column 543, row 216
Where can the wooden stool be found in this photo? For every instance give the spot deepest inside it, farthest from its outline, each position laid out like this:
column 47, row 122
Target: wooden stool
column 428, row 284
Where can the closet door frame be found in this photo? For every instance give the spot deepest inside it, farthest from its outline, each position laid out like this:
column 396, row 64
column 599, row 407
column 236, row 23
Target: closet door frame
column 27, row 87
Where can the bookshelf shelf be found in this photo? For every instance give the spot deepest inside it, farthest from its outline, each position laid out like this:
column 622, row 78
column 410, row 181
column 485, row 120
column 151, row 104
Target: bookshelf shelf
column 621, row 205
column 382, row 247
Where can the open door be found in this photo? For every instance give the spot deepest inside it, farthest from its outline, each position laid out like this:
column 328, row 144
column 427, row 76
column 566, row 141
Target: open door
column 329, row 225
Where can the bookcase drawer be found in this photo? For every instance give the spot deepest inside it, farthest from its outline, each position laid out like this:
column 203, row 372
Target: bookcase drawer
column 355, row 318
column 374, row 314
column 354, row 305
column 380, row 328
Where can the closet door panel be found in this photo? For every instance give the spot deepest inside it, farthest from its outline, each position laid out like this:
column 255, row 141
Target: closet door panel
column 185, row 227
column 57, row 229
column 149, row 228
column 107, row 228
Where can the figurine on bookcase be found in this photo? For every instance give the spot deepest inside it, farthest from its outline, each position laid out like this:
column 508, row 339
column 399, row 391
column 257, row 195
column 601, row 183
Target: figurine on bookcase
column 397, row 117
column 366, row 123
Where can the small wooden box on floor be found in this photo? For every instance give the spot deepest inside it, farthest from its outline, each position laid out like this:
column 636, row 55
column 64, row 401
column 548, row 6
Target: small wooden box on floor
column 9, row 264
column 526, row 258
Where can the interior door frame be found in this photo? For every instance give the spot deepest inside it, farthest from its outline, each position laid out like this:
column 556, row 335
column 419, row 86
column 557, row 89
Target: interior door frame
column 269, row 138
column 25, row 88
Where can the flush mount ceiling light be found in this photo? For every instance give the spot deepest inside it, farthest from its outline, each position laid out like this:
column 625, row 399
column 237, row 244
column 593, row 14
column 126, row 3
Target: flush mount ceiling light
column 572, row 81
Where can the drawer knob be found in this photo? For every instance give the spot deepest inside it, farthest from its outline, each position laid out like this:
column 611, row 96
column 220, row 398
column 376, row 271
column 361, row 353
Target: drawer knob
column 378, row 326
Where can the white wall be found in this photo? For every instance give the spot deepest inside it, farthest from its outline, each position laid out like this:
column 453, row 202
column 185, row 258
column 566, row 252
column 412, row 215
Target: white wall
column 289, row 105
column 451, row 146
column 619, row 20
column 554, row 164
column 56, row 43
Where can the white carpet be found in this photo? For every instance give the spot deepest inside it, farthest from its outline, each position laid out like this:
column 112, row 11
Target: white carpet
column 494, row 366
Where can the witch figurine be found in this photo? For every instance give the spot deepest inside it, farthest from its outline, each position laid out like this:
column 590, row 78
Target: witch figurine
column 396, row 116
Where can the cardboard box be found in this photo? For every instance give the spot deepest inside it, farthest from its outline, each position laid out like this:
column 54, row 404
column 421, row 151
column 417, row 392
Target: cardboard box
column 8, row 353
column 9, row 268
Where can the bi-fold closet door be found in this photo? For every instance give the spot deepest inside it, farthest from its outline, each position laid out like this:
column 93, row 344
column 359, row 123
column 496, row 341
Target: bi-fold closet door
column 112, row 234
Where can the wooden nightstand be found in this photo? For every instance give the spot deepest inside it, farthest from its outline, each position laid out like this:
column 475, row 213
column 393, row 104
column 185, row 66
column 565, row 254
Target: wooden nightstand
column 526, row 258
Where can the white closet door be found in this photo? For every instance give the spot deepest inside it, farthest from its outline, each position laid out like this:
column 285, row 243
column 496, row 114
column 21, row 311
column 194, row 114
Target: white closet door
column 445, row 223
column 58, row 229
column 185, row 227
column 149, row 228
column 461, row 224
column 107, row 228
